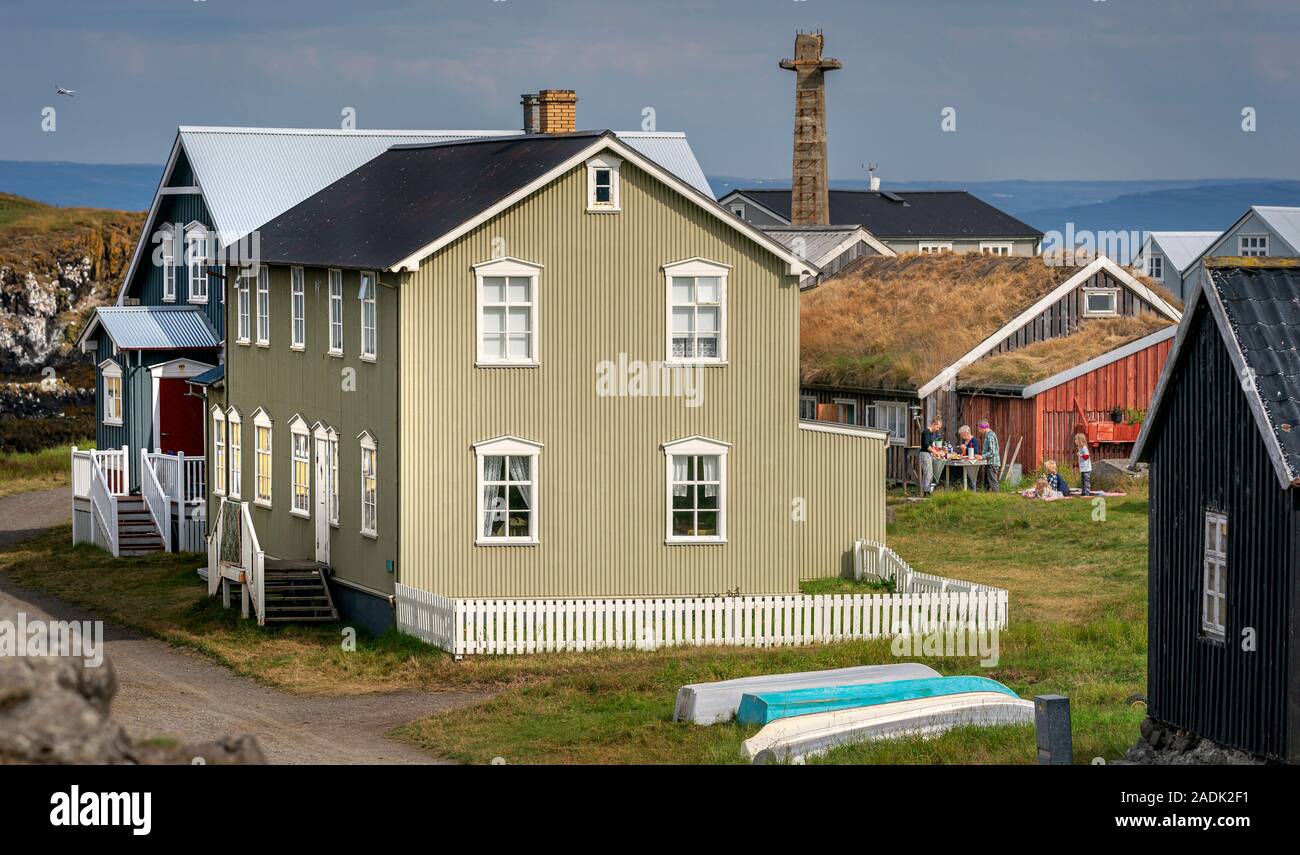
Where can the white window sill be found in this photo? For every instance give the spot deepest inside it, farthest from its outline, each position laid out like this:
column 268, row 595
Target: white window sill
column 217, row 492
column 306, row 515
column 371, row 358
column 506, row 541
column 262, row 503
column 300, row 348
column 372, row 535
column 266, row 344
column 243, row 342
column 198, row 301
column 337, row 354
column 697, row 363
column 113, row 422
column 603, row 209
column 696, row 541
column 169, row 299
column 233, row 496
column 520, row 364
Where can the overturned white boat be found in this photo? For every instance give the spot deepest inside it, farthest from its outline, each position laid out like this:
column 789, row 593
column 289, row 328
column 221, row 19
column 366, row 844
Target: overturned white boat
column 794, row 739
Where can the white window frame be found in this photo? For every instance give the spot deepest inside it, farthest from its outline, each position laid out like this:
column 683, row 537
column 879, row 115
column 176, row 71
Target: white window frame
column 297, row 309
column 933, row 247
column 738, row 208
column 696, row 268
column 299, row 465
column 596, row 165
column 168, row 263
column 1156, row 267
column 196, row 262
column 235, row 450
column 335, row 312
column 369, row 315
column 808, row 399
column 841, row 403
column 261, row 419
column 899, row 410
column 508, row 268
column 114, row 406
column 507, row 446
column 262, row 307
column 695, row 446
column 996, row 247
column 369, row 451
column 1214, row 577
column 332, row 437
column 1113, row 293
column 243, row 308
column 218, row 452
column 1260, row 250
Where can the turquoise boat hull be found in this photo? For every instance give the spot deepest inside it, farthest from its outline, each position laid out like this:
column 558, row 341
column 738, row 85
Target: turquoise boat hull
column 763, row 707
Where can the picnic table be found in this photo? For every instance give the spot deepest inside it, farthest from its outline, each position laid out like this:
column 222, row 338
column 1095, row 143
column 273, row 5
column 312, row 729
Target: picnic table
column 969, row 470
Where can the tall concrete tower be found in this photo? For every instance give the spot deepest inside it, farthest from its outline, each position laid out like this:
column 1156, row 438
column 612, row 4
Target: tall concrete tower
column 809, row 199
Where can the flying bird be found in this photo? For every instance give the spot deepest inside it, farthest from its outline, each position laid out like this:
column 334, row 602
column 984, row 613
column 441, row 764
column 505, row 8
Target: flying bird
column 69, row 92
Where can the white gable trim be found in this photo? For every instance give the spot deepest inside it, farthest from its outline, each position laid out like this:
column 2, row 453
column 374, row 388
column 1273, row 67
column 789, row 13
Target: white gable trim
column 726, row 200
column 146, row 237
column 1099, row 264
column 1100, row 361
column 797, row 266
column 860, row 235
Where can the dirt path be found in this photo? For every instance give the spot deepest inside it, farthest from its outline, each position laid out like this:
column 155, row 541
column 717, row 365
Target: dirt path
column 166, row 691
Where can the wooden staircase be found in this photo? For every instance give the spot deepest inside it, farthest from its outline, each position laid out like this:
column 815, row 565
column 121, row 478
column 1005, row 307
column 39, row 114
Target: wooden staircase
column 296, row 592
column 136, row 532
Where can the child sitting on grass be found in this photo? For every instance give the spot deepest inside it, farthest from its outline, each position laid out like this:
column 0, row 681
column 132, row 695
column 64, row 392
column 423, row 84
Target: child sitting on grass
column 1055, row 479
column 1085, row 463
column 1041, row 490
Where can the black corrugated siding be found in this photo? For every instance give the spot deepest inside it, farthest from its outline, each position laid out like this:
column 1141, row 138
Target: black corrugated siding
column 1209, row 454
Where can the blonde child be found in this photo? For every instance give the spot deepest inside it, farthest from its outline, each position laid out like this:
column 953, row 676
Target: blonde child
column 1085, row 463
column 1055, row 479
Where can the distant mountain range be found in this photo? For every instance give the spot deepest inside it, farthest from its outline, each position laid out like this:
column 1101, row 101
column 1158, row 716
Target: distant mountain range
column 1172, row 205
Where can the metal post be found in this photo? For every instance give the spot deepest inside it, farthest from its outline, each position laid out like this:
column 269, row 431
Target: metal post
column 1052, row 726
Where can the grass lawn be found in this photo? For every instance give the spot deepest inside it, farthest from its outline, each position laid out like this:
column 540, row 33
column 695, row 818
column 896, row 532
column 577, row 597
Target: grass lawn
column 38, row 470
column 1078, row 627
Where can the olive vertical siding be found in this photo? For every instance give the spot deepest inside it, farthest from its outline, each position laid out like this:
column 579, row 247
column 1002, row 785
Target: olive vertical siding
column 834, row 467
column 348, row 394
column 601, row 478
column 1215, row 689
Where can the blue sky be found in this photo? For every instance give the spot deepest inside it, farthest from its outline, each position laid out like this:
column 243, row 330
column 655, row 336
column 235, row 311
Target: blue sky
column 1048, row 89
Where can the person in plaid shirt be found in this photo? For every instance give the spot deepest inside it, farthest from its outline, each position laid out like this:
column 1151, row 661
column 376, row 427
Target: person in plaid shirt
column 992, row 455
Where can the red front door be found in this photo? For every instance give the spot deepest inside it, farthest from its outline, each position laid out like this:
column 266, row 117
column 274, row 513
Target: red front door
column 180, row 419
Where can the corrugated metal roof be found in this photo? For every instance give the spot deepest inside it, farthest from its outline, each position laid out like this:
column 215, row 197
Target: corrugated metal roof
column 155, row 327
column 1284, row 221
column 1183, row 248
column 817, row 243
column 249, row 176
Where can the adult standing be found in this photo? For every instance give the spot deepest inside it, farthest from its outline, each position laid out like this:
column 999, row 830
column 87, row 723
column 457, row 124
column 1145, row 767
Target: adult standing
column 991, row 455
column 931, row 438
column 968, row 448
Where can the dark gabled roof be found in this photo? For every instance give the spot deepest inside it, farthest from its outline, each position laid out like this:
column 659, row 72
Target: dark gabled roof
column 407, row 197
column 212, row 377
column 911, row 214
column 1256, row 309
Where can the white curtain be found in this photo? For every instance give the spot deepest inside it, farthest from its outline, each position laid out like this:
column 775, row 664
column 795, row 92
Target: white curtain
column 679, row 475
column 519, row 472
column 710, row 473
column 495, row 511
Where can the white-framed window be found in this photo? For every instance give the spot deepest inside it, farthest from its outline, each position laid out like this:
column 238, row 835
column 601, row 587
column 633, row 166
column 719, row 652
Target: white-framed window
column 300, row 471
column 168, row 256
column 196, row 262
column 989, row 247
column 507, row 301
column 738, row 209
column 696, row 312
column 696, row 502
column 846, row 411
column 366, row 293
column 218, row 452
column 1100, row 302
column 891, row 416
column 297, row 309
column 236, row 430
column 1252, row 246
column 1156, row 267
column 263, row 309
column 112, row 373
column 603, row 184
column 506, row 503
column 1214, row 596
column 807, row 407
column 333, row 445
column 262, row 461
column 931, row 248
column 243, row 328
column 336, row 312
column 369, row 482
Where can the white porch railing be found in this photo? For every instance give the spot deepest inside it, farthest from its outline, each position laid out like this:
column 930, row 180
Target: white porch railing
column 113, row 462
column 183, row 481
column 235, row 555
column 155, row 500
column 173, row 487
column 103, row 509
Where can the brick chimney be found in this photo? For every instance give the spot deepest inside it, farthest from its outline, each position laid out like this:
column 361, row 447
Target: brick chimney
column 810, row 203
column 551, row 111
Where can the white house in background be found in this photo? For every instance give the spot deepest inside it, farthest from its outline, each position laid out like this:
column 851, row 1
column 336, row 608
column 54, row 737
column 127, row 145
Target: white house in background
column 1167, row 257
column 1263, row 231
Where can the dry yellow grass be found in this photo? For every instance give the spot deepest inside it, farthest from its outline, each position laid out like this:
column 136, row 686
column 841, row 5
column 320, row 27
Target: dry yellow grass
column 897, row 322
column 1041, row 360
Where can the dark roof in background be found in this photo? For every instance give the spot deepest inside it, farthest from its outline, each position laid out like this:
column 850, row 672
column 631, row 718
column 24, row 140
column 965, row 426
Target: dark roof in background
column 409, row 196
column 1262, row 306
column 920, row 213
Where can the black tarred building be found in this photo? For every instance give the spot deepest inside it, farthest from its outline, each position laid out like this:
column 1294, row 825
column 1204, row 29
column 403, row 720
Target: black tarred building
column 1223, row 441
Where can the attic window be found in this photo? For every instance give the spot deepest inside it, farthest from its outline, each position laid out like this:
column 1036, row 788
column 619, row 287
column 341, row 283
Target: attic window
column 934, row 248
column 1252, row 246
column 1156, row 268
column 602, row 184
column 1100, row 302
column 739, row 210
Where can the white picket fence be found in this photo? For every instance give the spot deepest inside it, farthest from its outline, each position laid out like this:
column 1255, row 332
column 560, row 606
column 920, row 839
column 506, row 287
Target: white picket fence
column 466, row 626
column 875, row 561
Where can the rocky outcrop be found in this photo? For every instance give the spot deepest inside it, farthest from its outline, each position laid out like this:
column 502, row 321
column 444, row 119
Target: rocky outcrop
column 55, row 709
column 1163, row 745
